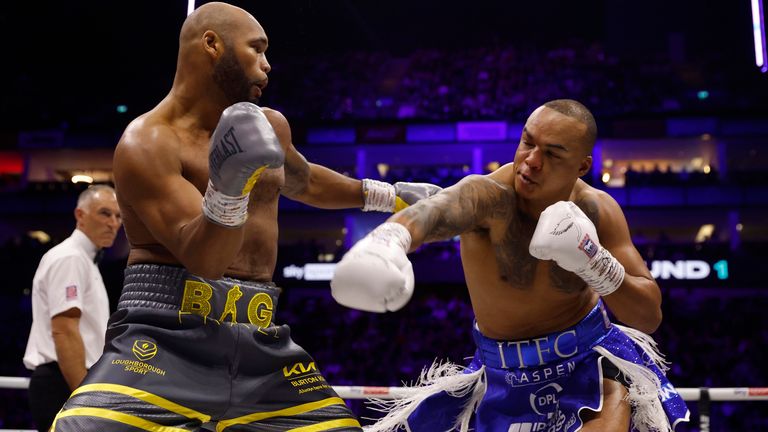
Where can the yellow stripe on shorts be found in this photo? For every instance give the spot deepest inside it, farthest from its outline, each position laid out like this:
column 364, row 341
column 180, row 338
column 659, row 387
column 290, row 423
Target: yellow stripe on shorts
column 285, row 412
column 146, row 397
column 128, row 419
column 327, row 425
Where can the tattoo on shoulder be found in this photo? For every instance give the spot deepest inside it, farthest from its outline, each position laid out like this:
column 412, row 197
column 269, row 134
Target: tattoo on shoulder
column 591, row 209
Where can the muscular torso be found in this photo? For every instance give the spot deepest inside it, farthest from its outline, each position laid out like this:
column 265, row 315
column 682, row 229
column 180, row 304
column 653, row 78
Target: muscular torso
column 257, row 257
column 514, row 295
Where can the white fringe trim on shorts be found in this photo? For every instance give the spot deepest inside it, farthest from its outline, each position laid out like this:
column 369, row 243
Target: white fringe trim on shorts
column 448, row 377
column 644, row 386
column 644, row 391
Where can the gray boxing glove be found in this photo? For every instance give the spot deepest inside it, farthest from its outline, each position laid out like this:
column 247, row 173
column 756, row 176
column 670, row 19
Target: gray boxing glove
column 410, row 193
column 384, row 197
column 242, row 147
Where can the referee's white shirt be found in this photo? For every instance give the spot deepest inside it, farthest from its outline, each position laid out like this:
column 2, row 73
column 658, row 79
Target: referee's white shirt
column 68, row 278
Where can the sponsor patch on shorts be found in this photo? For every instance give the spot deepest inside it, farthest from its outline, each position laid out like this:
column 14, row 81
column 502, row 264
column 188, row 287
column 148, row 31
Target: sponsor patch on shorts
column 71, row 292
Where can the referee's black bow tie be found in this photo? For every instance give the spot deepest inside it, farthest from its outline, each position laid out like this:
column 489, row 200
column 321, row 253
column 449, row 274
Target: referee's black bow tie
column 99, row 255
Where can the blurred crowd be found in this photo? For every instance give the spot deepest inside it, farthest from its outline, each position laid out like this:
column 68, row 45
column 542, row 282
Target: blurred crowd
column 501, row 82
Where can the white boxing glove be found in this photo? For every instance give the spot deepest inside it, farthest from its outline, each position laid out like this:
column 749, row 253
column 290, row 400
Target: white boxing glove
column 567, row 236
column 376, row 275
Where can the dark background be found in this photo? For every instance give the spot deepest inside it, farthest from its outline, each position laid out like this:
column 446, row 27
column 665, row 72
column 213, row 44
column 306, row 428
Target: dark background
column 68, row 65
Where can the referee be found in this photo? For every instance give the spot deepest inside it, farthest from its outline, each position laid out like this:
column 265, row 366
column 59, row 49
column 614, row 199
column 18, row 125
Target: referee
column 70, row 307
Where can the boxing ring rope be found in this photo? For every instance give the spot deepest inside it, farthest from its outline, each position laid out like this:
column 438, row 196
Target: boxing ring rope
column 702, row 395
column 689, row 394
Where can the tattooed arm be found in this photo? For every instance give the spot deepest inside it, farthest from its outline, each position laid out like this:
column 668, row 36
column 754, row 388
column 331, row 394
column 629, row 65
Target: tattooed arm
column 637, row 302
column 376, row 275
column 468, row 205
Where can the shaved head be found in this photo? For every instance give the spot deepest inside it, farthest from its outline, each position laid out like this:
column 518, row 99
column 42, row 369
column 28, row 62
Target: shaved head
column 578, row 111
column 221, row 18
column 224, row 44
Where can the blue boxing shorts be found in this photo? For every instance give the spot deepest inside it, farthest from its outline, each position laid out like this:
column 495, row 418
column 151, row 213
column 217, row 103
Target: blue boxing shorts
column 183, row 351
column 541, row 384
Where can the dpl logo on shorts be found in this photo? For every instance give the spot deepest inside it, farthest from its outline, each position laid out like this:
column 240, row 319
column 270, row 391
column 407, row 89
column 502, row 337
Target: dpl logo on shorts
column 544, row 400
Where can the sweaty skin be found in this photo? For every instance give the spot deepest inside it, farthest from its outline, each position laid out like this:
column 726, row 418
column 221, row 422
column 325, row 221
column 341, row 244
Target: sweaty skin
column 161, row 161
column 514, row 295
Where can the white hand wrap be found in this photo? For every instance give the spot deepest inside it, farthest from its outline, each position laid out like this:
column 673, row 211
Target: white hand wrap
column 567, row 236
column 603, row 273
column 224, row 210
column 375, row 275
column 378, row 196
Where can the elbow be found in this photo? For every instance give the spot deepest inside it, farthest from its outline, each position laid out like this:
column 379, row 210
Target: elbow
column 650, row 319
column 655, row 316
column 652, row 322
column 644, row 320
column 300, row 192
column 657, row 321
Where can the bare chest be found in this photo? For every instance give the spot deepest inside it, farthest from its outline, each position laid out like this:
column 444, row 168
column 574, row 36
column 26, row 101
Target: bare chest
column 518, row 268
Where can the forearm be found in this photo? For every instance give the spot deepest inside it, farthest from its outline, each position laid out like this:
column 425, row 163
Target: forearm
column 637, row 303
column 462, row 207
column 328, row 189
column 614, row 270
column 418, row 222
column 70, row 354
column 429, row 221
column 201, row 235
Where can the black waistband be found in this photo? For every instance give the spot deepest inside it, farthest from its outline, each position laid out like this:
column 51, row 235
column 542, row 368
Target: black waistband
column 167, row 287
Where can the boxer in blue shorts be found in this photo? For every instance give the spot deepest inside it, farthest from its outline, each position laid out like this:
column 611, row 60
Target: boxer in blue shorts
column 198, row 180
column 543, row 255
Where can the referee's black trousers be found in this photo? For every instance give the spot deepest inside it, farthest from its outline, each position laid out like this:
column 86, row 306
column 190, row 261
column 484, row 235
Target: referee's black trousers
column 48, row 390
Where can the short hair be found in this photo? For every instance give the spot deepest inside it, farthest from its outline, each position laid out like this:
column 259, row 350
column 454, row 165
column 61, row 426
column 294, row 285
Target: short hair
column 578, row 111
column 87, row 195
column 217, row 16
